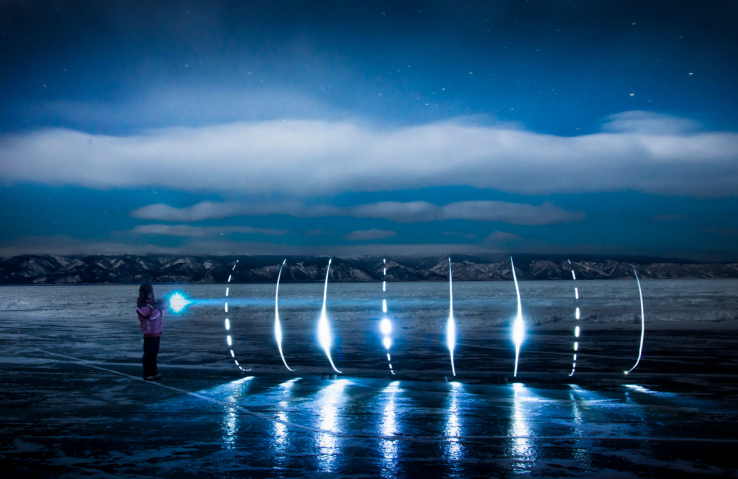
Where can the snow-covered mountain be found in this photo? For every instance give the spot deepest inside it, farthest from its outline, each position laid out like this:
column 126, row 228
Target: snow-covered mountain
column 45, row 269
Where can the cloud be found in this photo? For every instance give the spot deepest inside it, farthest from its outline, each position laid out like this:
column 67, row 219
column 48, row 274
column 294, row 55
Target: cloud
column 502, row 237
column 66, row 245
column 202, row 231
column 501, row 211
column 372, row 234
column 311, row 158
column 410, row 212
column 207, row 210
column 651, row 123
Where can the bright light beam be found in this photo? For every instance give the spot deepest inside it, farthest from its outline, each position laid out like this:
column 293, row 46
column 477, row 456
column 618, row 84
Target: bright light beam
column 324, row 332
column 643, row 324
column 518, row 326
column 277, row 325
column 177, row 302
column 451, row 326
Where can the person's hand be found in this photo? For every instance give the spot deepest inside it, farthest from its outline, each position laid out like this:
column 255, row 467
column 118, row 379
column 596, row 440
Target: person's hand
column 161, row 304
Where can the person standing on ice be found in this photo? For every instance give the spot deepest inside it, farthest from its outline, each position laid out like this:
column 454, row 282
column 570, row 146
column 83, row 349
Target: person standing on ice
column 150, row 314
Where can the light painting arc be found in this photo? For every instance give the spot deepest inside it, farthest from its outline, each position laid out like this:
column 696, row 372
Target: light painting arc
column 643, row 323
column 277, row 324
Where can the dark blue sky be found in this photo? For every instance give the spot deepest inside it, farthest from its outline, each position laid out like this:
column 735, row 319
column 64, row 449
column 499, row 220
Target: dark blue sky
column 352, row 127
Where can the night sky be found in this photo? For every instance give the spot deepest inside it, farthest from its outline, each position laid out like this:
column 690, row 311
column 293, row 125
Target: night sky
column 288, row 127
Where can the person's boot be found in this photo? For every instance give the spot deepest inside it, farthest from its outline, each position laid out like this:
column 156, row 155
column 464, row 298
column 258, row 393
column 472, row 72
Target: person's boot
column 156, row 377
column 151, row 378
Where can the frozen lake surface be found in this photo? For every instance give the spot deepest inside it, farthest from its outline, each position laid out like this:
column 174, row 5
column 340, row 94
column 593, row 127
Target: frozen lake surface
column 73, row 404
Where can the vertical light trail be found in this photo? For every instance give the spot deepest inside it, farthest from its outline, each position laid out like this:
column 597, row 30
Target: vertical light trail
column 324, row 331
column 451, row 326
column 576, row 315
column 277, row 325
column 229, row 339
column 385, row 326
column 518, row 332
column 643, row 323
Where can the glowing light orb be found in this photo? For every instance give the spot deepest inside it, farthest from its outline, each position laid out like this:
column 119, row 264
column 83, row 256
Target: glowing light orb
column 387, row 343
column 518, row 332
column 385, row 326
column 177, row 302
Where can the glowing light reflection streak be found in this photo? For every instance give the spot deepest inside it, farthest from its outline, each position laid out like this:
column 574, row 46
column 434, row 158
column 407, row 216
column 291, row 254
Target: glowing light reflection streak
column 643, row 324
column 277, row 325
column 324, row 332
column 229, row 340
column 451, row 326
column 518, row 326
column 520, row 430
column 453, row 427
column 388, row 427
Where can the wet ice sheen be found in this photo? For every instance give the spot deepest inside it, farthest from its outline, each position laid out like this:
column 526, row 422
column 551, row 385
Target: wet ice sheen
column 302, row 426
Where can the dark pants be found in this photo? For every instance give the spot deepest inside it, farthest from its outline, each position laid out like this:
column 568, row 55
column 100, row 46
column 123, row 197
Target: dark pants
column 151, row 349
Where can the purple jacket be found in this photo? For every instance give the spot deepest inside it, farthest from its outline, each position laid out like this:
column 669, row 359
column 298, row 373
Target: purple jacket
column 151, row 320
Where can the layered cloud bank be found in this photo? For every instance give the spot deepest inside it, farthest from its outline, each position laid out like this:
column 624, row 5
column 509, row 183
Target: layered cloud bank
column 401, row 212
column 306, row 158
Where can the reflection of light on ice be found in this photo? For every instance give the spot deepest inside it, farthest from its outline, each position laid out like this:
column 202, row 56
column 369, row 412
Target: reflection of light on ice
column 229, row 428
column 280, row 429
column 580, row 452
column 328, row 401
column 229, row 425
column 454, row 449
column 521, row 446
column 389, row 428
